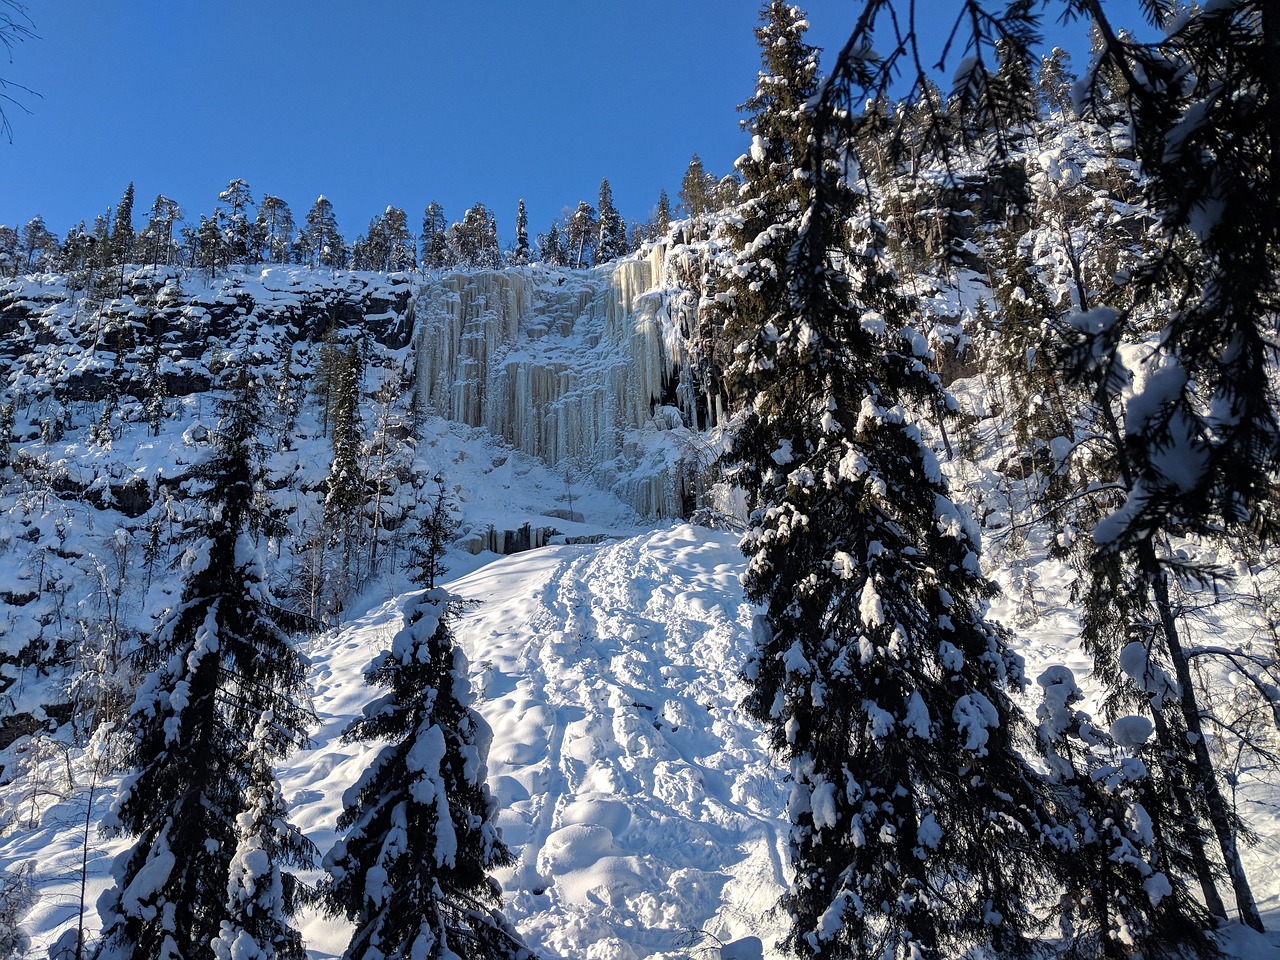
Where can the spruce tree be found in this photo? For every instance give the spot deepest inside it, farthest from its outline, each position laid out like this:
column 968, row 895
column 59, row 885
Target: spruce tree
column 551, row 249
column 6, row 432
column 1124, row 889
column 611, row 242
column 773, row 194
column 1200, row 436
column 345, row 495
column 211, row 250
column 122, row 237
column 412, row 868
column 695, row 190
column 916, row 822
column 474, row 241
column 227, row 698
column 261, row 894
column 663, row 221
column 520, row 255
column 436, row 527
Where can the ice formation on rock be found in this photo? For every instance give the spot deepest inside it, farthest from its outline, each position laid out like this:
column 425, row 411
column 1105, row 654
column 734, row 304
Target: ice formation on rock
column 567, row 366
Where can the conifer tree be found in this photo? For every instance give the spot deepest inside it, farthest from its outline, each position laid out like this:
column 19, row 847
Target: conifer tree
column 412, row 868
column 345, row 496
column 436, row 526
column 261, row 894
column 696, row 189
column 122, row 236
column 287, row 400
column 210, row 244
column 237, row 231
column 663, row 221
column 611, row 242
column 274, row 229
column 6, row 431
column 435, row 245
column 581, row 235
column 227, row 698
column 474, row 241
column 157, row 246
column 773, row 194
column 520, row 255
column 551, row 250
column 9, row 244
column 155, row 387
column 916, row 822
column 400, row 245
column 324, row 242
column 1124, row 888
column 1199, row 438
column 37, row 245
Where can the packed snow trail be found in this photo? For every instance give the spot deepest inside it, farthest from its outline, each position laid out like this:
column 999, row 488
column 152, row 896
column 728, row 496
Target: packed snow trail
column 640, row 801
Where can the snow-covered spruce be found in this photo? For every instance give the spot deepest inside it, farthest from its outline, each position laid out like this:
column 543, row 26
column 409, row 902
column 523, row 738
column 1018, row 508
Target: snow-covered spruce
column 412, row 869
column 228, row 697
column 916, row 819
column 261, row 895
column 1125, row 892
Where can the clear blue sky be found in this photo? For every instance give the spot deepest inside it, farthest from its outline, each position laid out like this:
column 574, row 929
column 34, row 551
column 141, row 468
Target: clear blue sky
column 381, row 102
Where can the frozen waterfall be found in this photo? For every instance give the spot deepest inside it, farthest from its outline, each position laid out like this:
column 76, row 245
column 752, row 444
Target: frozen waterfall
column 578, row 368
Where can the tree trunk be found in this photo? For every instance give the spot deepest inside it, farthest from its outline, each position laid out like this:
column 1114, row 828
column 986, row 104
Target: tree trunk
column 1203, row 763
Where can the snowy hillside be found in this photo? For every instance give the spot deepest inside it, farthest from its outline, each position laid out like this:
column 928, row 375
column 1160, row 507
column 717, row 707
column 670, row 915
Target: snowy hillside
column 645, row 811
column 639, row 799
column 556, row 407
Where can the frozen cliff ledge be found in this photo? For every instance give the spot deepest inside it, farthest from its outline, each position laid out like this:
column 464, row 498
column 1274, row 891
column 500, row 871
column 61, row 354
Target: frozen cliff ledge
column 586, row 370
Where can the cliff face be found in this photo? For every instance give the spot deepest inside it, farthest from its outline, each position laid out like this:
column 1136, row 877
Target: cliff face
column 588, row 370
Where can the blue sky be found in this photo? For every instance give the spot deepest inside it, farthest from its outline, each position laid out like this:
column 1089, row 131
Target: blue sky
column 380, row 102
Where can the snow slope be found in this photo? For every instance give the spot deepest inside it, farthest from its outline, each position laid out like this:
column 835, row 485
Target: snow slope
column 639, row 799
column 642, row 804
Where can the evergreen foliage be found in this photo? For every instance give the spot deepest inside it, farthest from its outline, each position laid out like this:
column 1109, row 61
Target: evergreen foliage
column 37, row 246
column 696, row 189
column 345, row 496
column 122, row 236
column 237, row 231
column 474, row 242
column 551, row 248
column 412, row 869
column 274, row 228
column 916, row 822
column 611, row 243
column 228, row 696
column 324, row 244
column 662, row 222
column 580, row 235
column 156, row 241
column 1121, row 888
column 436, row 254
column 520, row 255
column 387, row 246
column 436, row 527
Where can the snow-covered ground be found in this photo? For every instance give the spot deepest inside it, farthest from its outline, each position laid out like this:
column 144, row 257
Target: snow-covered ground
column 639, row 800
column 644, row 809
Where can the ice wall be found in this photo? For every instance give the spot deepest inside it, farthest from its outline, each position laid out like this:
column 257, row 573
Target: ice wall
column 568, row 366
